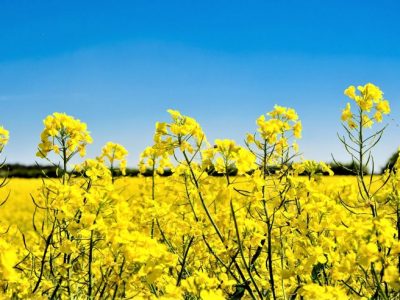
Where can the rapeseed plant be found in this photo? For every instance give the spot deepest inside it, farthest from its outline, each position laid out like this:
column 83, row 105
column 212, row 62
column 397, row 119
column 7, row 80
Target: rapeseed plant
column 265, row 233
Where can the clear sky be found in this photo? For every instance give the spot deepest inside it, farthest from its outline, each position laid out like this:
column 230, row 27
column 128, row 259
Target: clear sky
column 119, row 65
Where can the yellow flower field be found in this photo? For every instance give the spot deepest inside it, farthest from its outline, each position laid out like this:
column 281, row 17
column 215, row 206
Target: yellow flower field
column 19, row 207
column 281, row 228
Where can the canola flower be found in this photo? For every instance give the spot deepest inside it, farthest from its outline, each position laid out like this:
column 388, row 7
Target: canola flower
column 115, row 152
column 266, row 233
column 4, row 137
column 226, row 155
column 63, row 133
column 369, row 99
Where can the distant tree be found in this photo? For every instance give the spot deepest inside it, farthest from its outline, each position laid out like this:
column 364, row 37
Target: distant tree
column 28, row 171
column 391, row 161
column 351, row 168
column 40, row 171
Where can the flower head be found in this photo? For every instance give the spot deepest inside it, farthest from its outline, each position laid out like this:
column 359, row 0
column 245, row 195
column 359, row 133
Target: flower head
column 370, row 102
column 4, row 137
column 63, row 133
column 115, row 152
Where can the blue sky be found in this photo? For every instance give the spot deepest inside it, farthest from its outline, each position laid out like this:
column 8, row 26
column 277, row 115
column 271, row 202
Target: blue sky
column 119, row 65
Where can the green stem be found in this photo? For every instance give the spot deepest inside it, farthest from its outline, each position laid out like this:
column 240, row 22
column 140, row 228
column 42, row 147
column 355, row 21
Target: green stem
column 242, row 253
column 185, row 255
column 202, row 199
column 90, row 279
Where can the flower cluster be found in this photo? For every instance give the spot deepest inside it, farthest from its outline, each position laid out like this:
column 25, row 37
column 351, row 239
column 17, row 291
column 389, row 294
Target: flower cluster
column 155, row 159
column 115, row 152
column 371, row 106
column 63, row 134
column 226, row 156
column 178, row 132
column 281, row 121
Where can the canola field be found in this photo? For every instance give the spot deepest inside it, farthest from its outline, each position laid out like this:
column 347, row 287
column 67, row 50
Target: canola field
column 281, row 228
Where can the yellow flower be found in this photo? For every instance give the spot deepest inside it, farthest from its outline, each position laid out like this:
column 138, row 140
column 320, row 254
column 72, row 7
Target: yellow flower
column 278, row 110
column 383, row 107
column 212, row 295
column 326, row 168
column 250, row 138
column 156, row 158
column 346, row 113
column 180, row 128
column 113, row 152
column 297, row 127
column 370, row 97
column 174, row 114
column 8, row 259
column 351, row 124
column 350, row 92
column 281, row 120
column 378, row 116
column 371, row 91
column 4, row 137
column 366, row 121
column 226, row 146
column 63, row 134
column 315, row 291
column 95, row 169
column 291, row 114
column 392, row 277
column 365, row 104
column 161, row 128
column 246, row 161
column 295, row 147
